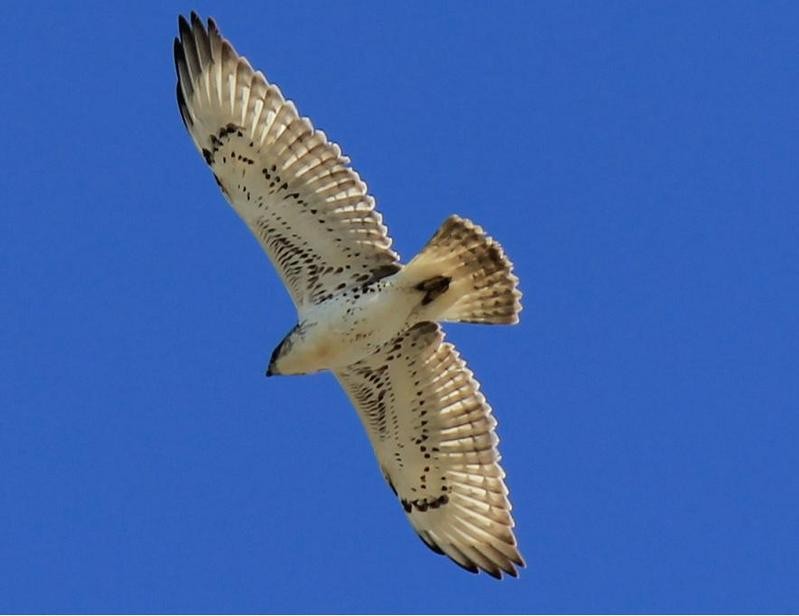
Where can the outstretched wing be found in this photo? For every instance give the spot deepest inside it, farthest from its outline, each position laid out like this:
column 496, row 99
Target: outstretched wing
column 433, row 434
column 295, row 190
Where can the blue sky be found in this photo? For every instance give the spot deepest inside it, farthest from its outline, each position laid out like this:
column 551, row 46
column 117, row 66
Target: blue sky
column 638, row 161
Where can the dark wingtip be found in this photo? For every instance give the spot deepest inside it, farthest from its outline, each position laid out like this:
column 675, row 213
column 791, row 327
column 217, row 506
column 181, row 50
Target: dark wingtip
column 184, row 112
column 186, row 36
column 180, row 58
column 472, row 568
column 430, row 544
column 197, row 22
column 183, row 25
column 177, row 53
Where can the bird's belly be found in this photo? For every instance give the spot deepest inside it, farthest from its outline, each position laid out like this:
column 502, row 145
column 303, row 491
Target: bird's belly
column 347, row 333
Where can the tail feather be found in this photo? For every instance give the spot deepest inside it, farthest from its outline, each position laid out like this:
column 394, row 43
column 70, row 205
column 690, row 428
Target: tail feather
column 480, row 284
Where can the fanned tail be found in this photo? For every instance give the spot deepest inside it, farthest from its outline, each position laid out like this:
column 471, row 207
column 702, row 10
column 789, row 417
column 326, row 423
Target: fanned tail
column 465, row 276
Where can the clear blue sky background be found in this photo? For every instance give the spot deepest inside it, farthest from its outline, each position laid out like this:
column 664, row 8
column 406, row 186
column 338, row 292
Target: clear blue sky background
column 637, row 160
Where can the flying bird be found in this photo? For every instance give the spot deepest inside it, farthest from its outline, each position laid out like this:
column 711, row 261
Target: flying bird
column 371, row 321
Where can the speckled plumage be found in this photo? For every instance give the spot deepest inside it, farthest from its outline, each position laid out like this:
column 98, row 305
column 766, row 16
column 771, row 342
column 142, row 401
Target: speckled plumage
column 361, row 314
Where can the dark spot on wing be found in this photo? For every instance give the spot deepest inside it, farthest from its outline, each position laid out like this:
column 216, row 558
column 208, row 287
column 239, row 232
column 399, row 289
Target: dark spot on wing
column 383, row 271
column 423, row 504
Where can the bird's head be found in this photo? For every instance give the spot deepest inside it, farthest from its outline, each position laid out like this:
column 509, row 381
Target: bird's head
column 287, row 358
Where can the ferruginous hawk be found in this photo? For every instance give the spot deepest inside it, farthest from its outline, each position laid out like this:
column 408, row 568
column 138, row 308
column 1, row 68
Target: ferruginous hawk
column 361, row 314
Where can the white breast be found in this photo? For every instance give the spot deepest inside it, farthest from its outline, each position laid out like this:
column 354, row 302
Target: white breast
column 351, row 325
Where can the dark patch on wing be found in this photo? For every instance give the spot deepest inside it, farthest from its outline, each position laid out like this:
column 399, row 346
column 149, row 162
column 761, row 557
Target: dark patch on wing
column 222, row 137
column 383, row 271
column 423, row 504
column 421, row 332
column 229, row 129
